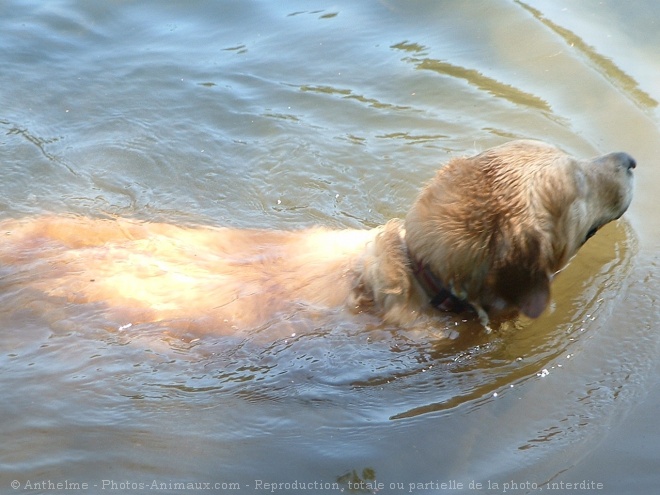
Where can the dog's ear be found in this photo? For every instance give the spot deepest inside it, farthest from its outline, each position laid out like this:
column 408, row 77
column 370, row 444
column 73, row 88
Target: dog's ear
column 522, row 281
column 534, row 301
column 527, row 290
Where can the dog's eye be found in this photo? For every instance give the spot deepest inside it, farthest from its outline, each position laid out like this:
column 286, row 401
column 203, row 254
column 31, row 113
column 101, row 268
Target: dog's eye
column 591, row 233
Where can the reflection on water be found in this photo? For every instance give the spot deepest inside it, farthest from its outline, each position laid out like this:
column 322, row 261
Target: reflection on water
column 271, row 116
column 472, row 76
column 604, row 65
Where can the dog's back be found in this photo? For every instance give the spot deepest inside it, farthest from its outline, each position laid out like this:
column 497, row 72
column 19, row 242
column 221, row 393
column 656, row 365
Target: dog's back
column 228, row 278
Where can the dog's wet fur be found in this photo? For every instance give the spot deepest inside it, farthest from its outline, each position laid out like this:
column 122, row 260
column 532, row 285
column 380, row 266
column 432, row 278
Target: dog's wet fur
column 488, row 233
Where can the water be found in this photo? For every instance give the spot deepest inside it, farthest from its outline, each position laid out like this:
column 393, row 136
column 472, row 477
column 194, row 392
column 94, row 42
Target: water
column 287, row 115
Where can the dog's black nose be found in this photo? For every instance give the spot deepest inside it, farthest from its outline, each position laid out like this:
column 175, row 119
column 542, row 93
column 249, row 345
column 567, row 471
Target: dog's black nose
column 625, row 160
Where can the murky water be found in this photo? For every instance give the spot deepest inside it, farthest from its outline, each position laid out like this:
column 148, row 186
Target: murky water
column 285, row 115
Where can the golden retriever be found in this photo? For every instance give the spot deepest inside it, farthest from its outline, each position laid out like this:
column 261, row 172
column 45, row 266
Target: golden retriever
column 486, row 234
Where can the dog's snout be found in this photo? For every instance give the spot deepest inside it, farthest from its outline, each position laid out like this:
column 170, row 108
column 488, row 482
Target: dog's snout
column 619, row 159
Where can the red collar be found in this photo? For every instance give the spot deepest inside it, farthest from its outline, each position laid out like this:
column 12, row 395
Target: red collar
column 441, row 296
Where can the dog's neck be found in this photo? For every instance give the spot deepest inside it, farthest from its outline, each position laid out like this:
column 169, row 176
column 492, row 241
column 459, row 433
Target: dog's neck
column 441, row 296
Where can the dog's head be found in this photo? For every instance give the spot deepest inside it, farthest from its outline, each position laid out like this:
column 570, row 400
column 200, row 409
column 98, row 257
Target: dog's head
column 497, row 226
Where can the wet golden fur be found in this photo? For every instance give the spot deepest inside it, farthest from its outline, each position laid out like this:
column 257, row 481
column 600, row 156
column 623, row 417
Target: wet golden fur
column 495, row 227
